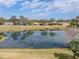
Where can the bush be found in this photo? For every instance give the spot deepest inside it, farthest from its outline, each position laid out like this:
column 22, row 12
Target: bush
column 74, row 47
column 1, row 37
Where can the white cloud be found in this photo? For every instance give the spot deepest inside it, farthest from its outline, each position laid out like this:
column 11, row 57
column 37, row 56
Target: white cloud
column 7, row 3
column 63, row 6
column 34, row 1
column 32, row 5
column 66, row 6
column 44, row 8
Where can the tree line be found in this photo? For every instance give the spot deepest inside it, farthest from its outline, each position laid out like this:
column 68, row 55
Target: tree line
column 14, row 19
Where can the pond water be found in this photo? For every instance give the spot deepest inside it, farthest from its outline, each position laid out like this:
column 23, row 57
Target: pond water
column 35, row 39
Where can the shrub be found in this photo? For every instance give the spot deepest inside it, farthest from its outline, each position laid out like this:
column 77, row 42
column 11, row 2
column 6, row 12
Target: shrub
column 74, row 47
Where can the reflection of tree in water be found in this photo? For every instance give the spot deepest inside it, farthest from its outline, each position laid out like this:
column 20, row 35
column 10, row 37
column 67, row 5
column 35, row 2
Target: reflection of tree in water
column 2, row 33
column 15, row 35
column 26, row 34
column 52, row 34
column 23, row 35
column 46, row 33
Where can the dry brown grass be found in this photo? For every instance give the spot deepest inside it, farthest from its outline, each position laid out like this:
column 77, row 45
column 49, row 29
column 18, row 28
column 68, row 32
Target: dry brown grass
column 30, row 53
column 21, row 28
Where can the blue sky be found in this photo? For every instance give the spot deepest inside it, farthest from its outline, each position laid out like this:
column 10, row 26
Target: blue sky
column 40, row 9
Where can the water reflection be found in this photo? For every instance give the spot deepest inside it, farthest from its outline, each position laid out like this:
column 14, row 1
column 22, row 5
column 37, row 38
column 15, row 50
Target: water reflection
column 25, row 35
column 35, row 39
column 44, row 33
column 21, row 35
column 2, row 33
column 48, row 33
column 15, row 35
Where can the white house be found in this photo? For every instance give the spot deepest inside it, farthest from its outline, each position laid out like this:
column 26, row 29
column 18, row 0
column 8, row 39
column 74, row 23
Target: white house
column 36, row 23
column 8, row 23
column 65, row 24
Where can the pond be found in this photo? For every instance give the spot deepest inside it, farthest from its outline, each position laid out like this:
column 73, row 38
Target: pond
column 35, row 39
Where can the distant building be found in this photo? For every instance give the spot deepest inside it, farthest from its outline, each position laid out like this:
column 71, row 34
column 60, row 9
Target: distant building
column 36, row 23
column 63, row 23
column 52, row 23
column 21, row 22
column 1, row 23
column 8, row 23
column 55, row 23
column 66, row 24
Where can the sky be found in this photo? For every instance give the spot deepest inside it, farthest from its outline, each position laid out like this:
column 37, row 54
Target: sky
column 40, row 9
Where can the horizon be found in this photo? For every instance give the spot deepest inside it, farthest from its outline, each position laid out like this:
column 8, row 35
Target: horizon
column 18, row 17
column 40, row 9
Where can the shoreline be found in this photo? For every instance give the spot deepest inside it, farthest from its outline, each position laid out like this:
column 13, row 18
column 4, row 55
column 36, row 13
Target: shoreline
column 14, row 28
column 31, row 53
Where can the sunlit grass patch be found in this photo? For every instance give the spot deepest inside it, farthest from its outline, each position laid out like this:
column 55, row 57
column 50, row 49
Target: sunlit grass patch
column 1, row 38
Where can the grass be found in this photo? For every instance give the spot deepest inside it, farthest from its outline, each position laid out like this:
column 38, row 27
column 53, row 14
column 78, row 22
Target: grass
column 1, row 38
column 31, row 53
column 4, row 28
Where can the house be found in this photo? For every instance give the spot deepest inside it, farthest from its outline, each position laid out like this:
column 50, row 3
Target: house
column 36, row 23
column 8, row 23
column 54, row 23
column 1, row 22
column 51, row 23
column 66, row 24
column 63, row 23
column 21, row 22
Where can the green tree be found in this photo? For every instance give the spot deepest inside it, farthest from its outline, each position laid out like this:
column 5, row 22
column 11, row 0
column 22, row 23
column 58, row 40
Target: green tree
column 30, row 22
column 43, row 21
column 52, row 20
column 2, row 19
column 23, row 20
column 13, row 19
column 74, row 47
column 73, row 23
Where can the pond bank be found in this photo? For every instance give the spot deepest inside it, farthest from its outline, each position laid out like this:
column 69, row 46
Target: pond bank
column 31, row 53
column 14, row 28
